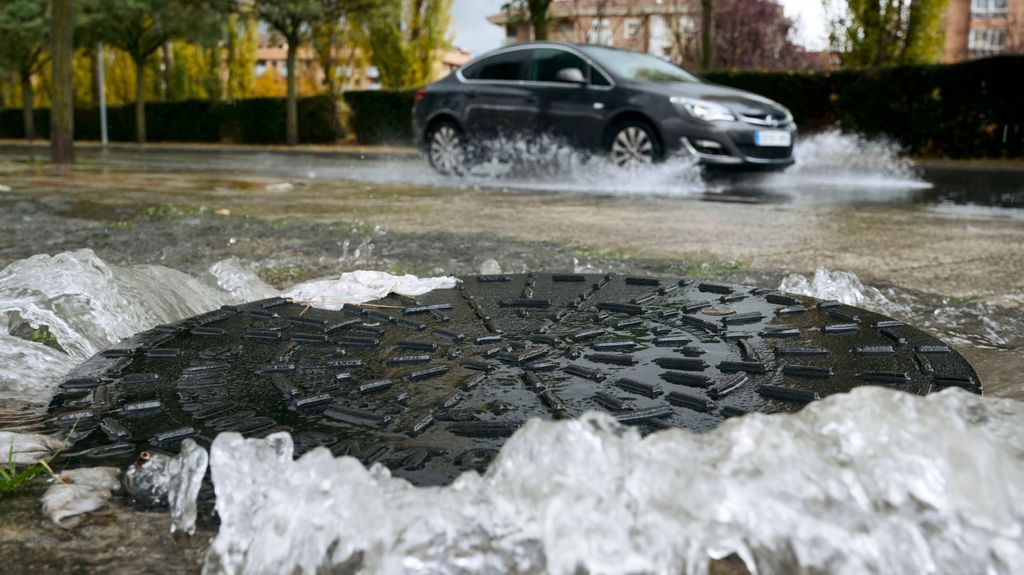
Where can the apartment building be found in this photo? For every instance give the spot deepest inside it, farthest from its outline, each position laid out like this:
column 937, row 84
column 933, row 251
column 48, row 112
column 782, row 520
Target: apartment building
column 979, row 28
column 355, row 71
column 667, row 28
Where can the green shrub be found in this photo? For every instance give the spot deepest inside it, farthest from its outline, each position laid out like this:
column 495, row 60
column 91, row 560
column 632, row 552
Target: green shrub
column 251, row 121
column 964, row 110
column 381, row 116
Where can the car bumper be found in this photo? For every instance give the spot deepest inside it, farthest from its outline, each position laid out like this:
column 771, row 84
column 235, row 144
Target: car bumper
column 730, row 145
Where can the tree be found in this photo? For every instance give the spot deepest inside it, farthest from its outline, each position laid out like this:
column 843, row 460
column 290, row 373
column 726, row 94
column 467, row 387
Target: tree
column 62, row 109
column 294, row 20
column 887, row 32
column 141, row 27
column 754, row 34
column 406, row 39
column 535, row 10
column 428, row 25
column 242, row 45
column 24, row 44
column 707, row 34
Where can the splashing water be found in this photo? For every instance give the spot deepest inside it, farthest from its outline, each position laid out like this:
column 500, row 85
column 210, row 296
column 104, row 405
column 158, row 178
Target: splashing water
column 89, row 305
column 844, row 287
column 874, row 481
column 825, row 163
column 853, row 155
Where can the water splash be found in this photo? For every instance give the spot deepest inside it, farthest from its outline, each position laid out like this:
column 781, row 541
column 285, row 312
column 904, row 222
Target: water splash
column 844, row 287
column 874, row 481
column 89, row 305
column 853, row 155
column 829, row 165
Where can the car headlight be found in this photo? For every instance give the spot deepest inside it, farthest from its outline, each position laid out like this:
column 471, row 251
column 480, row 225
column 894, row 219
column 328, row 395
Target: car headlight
column 703, row 110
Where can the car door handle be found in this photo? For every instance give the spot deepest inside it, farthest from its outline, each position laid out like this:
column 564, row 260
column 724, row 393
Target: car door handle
column 530, row 99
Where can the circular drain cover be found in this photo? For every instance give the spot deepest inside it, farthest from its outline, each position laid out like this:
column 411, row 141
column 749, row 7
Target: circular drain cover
column 433, row 386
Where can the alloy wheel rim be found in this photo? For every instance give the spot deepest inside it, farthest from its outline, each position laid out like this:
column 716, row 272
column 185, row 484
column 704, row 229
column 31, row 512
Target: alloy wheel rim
column 632, row 146
column 446, row 150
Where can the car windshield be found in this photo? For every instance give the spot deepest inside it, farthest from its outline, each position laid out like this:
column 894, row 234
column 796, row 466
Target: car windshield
column 636, row 66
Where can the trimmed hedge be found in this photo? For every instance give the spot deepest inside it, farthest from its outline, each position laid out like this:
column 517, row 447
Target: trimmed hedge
column 251, row 121
column 966, row 110
column 381, row 116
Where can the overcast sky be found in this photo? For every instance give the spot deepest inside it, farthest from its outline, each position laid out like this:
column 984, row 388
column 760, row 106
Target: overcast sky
column 474, row 33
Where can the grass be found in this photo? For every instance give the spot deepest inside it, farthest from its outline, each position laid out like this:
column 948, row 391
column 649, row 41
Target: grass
column 42, row 335
column 284, row 276
column 713, row 269
column 397, row 269
column 13, row 479
column 165, row 211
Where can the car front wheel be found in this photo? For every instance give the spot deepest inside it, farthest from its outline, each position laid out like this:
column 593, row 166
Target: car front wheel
column 633, row 145
column 447, row 149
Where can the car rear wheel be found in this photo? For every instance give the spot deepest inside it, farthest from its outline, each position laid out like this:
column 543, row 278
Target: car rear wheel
column 633, row 144
column 447, row 149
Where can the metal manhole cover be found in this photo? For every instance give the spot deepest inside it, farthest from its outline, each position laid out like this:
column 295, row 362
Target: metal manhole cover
column 433, row 386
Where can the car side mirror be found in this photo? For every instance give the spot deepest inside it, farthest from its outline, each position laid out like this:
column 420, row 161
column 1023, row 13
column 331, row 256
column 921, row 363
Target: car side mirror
column 571, row 76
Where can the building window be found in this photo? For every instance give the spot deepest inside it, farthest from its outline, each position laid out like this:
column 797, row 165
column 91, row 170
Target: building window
column 632, row 28
column 988, row 7
column 511, row 31
column 688, row 24
column 983, row 41
column 564, row 30
column 600, row 31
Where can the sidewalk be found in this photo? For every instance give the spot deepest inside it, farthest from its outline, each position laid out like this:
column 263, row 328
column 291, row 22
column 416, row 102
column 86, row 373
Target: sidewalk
column 348, row 150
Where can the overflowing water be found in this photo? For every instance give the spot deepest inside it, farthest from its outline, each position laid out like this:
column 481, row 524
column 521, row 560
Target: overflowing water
column 74, row 305
column 873, row 481
column 991, row 337
column 86, row 306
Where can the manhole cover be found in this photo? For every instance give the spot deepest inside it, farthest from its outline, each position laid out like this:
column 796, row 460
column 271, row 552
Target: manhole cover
column 433, row 386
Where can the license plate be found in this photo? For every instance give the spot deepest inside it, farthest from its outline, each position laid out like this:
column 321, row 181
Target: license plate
column 773, row 138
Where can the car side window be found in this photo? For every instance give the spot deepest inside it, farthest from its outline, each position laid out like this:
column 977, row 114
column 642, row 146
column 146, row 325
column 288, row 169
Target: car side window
column 504, row 66
column 546, row 63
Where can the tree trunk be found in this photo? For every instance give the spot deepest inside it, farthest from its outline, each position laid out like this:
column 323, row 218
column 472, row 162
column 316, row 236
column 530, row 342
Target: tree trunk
column 62, row 108
column 27, row 97
column 140, row 100
column 292, row 114
column 706, row 30
column 539, row 19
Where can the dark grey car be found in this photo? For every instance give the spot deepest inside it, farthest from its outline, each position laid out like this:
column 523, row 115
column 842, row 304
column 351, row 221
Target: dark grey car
column 634, row 107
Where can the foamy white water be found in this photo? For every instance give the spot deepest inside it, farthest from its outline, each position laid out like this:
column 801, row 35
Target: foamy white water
column 828, row 165
column 89, row 305
column 874, row 481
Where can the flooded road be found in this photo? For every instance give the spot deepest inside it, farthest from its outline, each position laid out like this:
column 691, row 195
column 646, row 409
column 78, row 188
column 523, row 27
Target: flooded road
column 943, row 242
column 937, row 245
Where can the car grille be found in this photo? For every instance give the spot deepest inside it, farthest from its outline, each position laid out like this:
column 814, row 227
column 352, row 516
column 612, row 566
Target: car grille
column 769, row 120
column 766, row 153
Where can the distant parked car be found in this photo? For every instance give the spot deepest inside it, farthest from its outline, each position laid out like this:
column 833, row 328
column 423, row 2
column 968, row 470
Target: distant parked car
column 635, row 108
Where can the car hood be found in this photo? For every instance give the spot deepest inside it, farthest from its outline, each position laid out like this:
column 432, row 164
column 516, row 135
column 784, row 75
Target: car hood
column 739, row 101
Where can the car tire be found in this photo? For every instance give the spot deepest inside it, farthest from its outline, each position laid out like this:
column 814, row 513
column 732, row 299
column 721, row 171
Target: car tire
column 447, row 150
column 633, row 144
